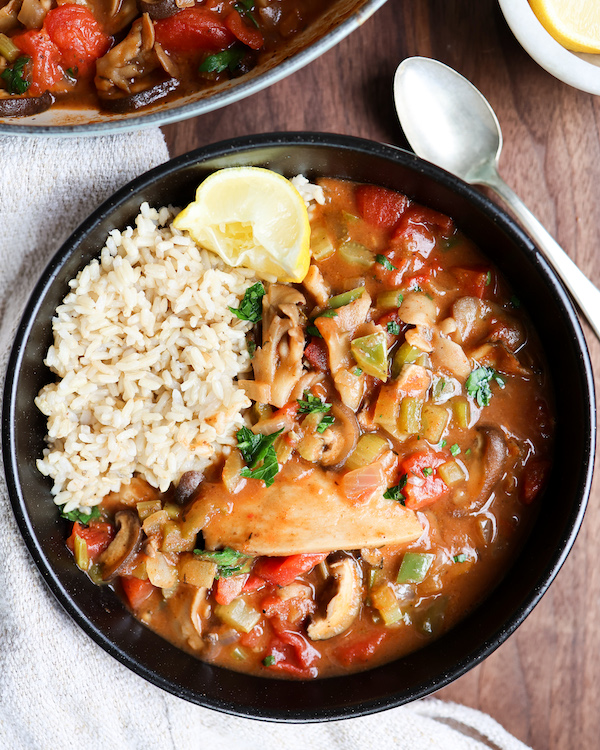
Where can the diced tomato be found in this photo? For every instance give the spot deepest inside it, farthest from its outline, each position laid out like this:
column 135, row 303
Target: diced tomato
column 358, row 652
column 258, row 638
column 534, row 479
column 290, row 652
column 392, row 277
column 136, row 591
column 414, row 236
column 227, row 589
column 316, row 353
column 46, row 70
column 281, row 571
column 78, row 36
column 254, row 583
column 424, row 466
column 477, row 281
column 97, row 536
column 379, row 206
column 193, row 30
column 248, row 35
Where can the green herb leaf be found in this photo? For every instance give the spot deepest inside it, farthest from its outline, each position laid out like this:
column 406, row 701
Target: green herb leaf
column 357, row 372
column 327, row 314
column 251, row 346
column 253, row 447
column 393, row 328
column 383, row 261
column 324, row 424
column 443, row 443
column 227, row 59
column 80, row 516
column 454, row 449
column 427, row 471
column 488, row 278
column 72, row 73
column 395, row 493
column 251, row 305
column 312, row 404
column 467, row 452
column 268, row 661
column 269, row 469
column 14, row 76
column 229, row 562
column 244, row 8
column 314, row 331
column 460, row 558
column 479, row 382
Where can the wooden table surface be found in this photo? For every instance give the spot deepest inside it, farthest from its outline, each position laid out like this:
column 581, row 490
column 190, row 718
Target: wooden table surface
column 543, row 684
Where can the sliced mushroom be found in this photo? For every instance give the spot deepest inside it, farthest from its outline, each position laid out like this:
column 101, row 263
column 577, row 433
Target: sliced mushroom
column 25, row 106
column 123, row 547
column 158, row 9
column 188, row 484
column 341, row 437
column 120, row 105
column 489, row 468
column 344, row 607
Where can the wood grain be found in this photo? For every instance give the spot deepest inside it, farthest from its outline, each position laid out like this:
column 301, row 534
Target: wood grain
column 543, row 684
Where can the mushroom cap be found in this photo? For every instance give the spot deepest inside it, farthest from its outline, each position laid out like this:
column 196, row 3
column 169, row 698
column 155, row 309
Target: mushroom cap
column 123, row 547
column 344, row 606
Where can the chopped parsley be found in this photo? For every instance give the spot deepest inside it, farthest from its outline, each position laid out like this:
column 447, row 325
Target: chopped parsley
column 244, row 8
column 488, row 278
column 460, row 558
column 427, row 471
column 454, row 449
column 227, row 59
column 479, row 382
column 467, row 451
column 229, row 562
column 395, row 493
column 327, row 314
column 312, row 404
column 314, row 331
column 393, row 328
column 72, row 73
column 357, row 372
column 383, row 261
column 14, row 76
column 257, row 448
column 80, row 517
column 324, row 424
column 443, row 443
column 251, row 346
column 268, row 661
column 251, row 305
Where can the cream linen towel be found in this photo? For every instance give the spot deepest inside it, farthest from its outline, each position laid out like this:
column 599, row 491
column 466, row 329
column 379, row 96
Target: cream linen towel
column 58, row 689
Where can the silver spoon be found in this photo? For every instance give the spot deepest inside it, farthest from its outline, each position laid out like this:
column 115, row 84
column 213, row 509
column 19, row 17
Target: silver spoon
column 448, row 122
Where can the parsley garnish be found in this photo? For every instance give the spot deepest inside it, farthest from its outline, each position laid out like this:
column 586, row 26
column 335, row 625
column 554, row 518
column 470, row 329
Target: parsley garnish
column 221, row 61
column 395, row 493
column 327, row 314
column 268, row 661
column 324, row 424
column 257, row 448
column 478, row 384
column 357, row 372
column 80, row 517
column 454, row 449
column 467, row 451
column 443, row 443
column 383, row 261
column 251, row 346
column 251, row 305
column 15, row 76
column 72, row 73
column 314, row 331
column 393, row 328
column 229, row 562
column 312, row 404
column 460, row 558
column 244, row 8
column 427, row 471
column 488, row 278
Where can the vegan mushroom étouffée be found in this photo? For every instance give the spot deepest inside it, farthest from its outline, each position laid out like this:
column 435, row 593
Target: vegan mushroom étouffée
column 393, row 457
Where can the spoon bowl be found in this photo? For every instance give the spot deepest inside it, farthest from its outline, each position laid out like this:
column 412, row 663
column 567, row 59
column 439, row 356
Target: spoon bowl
column 449, row 122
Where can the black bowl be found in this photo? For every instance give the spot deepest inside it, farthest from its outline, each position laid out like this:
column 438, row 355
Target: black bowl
column 105, row 619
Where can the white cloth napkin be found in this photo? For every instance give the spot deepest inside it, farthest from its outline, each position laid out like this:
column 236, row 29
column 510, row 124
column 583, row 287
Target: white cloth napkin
column 58, row 689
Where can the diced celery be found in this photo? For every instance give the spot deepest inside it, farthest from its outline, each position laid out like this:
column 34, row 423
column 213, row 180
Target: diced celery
column 154, row 523
column 173, row 541
column 172, row 510
column 349, row 218
column 414, row 567
column 238, row 615
column 370, row 353
column 261, row 411
column 384, row 599
column 199, row 573
column 345, row 298
column 320, row 243
column 95, row 573
column 462, row 412
column 409, row 419
column 147, row 508
column 239, row 653
column 80, row 551
column 405, row 355
column 451, row 473
column 389, row 300
column 357, row 254
column 375, row 576
column 368, row 449
column 9, row 49
column 434, row 421
column 232, row 467
column 283, row 449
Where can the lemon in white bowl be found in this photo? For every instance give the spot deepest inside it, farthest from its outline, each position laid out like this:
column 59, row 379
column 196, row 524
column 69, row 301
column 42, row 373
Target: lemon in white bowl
column 251, row 217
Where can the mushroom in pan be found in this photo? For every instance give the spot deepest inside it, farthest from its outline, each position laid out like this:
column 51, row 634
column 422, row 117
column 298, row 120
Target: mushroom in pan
column 344, row 606
column 25, row 106
column 123, row 547
column 488, row 470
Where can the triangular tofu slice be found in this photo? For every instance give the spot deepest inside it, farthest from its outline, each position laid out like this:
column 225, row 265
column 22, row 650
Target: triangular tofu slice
column 303, row 511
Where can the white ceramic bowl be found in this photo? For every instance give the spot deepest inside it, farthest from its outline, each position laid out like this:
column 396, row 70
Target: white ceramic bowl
column 578, row 69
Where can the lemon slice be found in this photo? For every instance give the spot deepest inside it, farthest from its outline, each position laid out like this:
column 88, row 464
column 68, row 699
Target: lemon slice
column 573, row 23
column 251, row 217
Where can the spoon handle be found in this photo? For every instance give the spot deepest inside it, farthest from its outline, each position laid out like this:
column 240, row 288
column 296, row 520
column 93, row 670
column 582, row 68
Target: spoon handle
column 581, row 288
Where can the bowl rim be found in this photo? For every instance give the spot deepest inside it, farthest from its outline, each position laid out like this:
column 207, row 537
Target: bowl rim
column 564, row 64
column 221, row 99
column 247, row 144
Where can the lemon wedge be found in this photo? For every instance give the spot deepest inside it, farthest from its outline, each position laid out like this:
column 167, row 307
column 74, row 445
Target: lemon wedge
column 251, row 217
column 573, row 23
